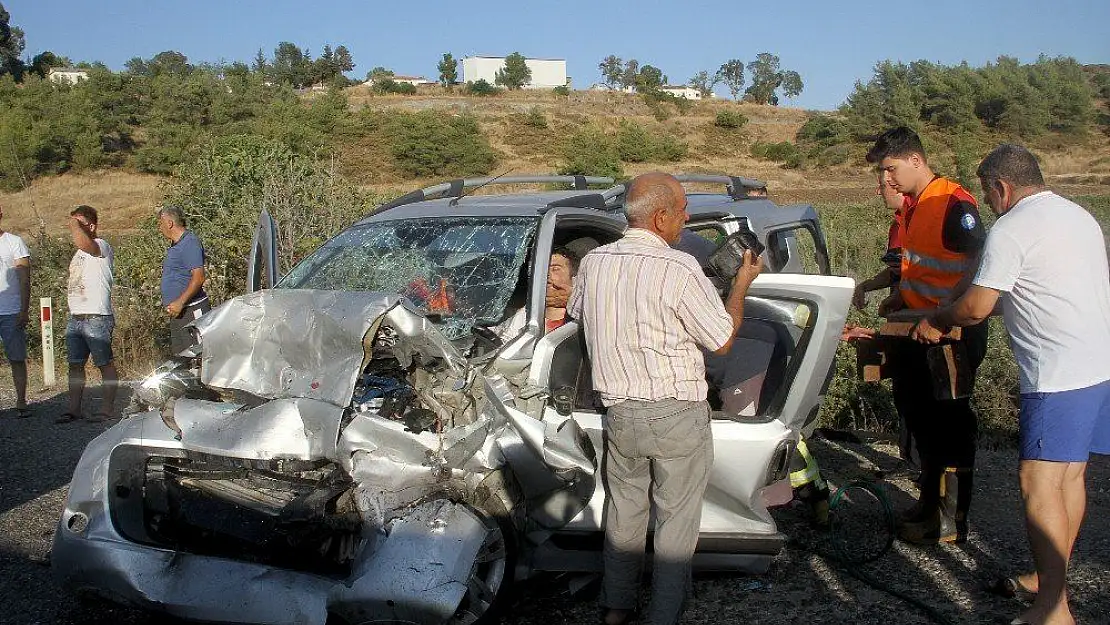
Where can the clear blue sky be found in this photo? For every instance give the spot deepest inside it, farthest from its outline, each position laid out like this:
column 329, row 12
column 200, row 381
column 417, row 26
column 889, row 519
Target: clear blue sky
column 831, row 44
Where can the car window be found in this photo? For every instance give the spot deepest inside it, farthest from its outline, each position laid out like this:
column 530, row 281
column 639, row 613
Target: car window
column 458, row 271
column 749, row 381
column 795, row 250
column 713, row 233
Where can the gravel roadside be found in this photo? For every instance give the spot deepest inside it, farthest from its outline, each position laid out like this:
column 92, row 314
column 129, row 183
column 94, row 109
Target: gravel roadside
column 37, row 458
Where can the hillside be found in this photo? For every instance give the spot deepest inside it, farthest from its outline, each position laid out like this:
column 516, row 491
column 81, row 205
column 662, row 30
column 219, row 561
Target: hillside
column 507, row 120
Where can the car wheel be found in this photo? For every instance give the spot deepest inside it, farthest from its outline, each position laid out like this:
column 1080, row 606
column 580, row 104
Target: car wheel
column 487, row 589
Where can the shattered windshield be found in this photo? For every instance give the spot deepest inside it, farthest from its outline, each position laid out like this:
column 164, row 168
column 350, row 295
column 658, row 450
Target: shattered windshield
column 460, row 272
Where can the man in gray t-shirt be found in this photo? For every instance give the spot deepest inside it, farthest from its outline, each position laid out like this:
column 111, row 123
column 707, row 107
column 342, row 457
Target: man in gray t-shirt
column 1045, row 260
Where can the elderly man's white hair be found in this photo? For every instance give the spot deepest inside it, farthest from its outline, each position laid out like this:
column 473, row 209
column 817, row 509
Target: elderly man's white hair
column 649, row 193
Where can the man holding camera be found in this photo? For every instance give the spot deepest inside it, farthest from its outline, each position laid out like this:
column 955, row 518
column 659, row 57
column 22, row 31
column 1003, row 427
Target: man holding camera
column 645, row 309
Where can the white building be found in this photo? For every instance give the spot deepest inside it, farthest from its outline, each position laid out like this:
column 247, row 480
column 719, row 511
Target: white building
column 546, row 73
column 415, row 81
column 71, row 75
column 682, row 91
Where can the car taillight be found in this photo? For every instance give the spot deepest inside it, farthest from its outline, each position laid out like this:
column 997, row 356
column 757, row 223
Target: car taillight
column 779, row 467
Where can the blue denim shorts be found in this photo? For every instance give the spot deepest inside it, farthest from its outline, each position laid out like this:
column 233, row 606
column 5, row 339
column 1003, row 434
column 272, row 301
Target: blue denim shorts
column 1066, row 426
column 90, row 335
column 14, row 337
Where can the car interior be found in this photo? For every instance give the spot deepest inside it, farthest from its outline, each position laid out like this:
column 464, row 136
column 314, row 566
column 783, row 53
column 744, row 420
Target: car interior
column 745, row 384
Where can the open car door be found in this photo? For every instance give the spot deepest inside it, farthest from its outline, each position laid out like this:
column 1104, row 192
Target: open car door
column 781, row 360
column 262, row 266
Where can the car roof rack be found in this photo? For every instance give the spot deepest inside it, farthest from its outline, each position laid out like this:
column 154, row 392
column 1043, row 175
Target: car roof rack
column 455, row 188
column 586, row 200
column 738, row 187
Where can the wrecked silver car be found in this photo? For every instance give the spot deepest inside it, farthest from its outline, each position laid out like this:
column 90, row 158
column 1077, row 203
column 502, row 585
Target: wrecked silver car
column 357, row 443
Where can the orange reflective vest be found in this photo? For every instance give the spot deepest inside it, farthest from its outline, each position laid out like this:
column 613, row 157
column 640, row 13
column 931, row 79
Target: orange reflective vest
column 930, row 271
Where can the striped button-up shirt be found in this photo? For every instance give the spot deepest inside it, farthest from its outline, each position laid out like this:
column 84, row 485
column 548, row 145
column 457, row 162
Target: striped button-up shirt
column 645, row 308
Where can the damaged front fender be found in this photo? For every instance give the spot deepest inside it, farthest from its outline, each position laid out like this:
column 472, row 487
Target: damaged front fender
column 341, row 435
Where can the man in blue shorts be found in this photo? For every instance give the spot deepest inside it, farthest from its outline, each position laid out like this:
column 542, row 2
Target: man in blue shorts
column 91, row 320
column 1046, row 259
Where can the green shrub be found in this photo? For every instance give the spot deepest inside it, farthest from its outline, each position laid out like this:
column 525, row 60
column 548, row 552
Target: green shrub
column 669, row 149
column 822, row 131
column 390, row 86
column 634, row 143
column 782, row 151
column 733, row 120
column 823, row 139
column 833, row 155
column 659, row 111
column 535, row 118
column 222, row 192
column 591, row 152
column 562, row 90
column 481, row 88
column 430, row 143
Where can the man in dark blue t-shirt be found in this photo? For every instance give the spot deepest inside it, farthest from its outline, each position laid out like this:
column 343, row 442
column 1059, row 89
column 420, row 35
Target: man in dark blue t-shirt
column 183, row 296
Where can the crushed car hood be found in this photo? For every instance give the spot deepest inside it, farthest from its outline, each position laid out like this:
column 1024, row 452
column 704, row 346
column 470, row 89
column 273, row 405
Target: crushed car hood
column 286, row 343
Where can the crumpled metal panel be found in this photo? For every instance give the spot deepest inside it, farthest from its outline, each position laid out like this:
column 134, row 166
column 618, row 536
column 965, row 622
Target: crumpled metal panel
column 190, row 586
column 420, row 573
column 289, row 343
column 297, row 428
column 418, row 335
column 393, row 467
column 562, row 446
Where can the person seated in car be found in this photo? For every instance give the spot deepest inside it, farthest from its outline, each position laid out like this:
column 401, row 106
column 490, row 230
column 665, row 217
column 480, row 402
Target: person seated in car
column 560, row 276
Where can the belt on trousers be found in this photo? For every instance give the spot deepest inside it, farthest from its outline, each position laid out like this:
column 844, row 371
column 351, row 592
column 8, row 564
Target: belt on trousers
column 87, row 316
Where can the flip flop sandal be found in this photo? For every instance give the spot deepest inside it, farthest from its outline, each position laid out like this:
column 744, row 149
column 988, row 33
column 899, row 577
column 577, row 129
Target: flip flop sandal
column 67, row 417
column 100, row 417
column 1011, row 588
column 22, row 413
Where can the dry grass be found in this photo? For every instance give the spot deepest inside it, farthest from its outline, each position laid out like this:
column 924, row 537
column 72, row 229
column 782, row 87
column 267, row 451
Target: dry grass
column 121, row 197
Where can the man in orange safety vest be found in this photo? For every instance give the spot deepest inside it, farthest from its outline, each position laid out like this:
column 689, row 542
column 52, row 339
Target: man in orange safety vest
column 942, row 238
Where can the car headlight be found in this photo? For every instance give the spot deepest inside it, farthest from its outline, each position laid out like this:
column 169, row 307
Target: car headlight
column 171, row 379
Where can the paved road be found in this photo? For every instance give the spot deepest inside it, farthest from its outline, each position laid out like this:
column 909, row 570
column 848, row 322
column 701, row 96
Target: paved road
column 37, row 459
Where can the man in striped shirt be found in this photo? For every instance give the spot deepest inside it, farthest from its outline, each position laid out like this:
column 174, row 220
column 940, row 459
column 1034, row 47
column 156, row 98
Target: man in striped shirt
column 645, row 309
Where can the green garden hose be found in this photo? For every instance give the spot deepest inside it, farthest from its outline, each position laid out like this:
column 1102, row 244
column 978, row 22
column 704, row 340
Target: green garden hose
column 850, row 555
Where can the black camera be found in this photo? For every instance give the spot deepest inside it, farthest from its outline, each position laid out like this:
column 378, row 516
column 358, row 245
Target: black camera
column 729, row 256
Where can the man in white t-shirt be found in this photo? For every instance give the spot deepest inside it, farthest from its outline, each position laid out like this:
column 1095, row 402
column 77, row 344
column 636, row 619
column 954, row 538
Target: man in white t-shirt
column 1046, row 259
column 91, row 322
column 15, row 297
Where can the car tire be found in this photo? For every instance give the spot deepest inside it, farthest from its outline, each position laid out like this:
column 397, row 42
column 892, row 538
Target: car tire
column 489, row 587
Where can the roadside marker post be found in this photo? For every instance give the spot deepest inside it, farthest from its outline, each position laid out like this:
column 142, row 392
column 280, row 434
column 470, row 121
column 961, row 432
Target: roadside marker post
column 46, row 323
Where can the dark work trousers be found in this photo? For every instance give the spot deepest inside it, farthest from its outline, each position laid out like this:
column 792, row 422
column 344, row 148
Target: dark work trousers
column 180, row 338
column 657, row 452
column 945, row 430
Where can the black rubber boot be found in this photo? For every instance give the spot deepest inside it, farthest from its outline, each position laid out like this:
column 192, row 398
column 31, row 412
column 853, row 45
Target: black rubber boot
column 816, row 498
column 965, row 485
column 948, row 524
column 929, row 493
